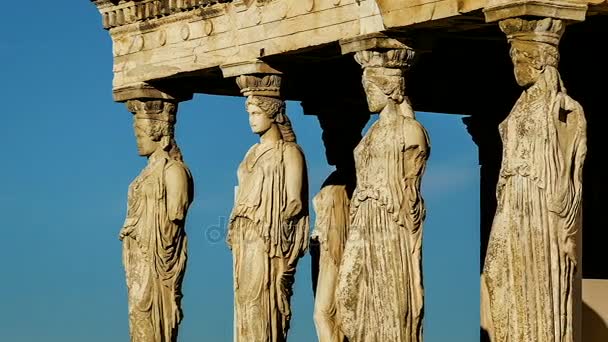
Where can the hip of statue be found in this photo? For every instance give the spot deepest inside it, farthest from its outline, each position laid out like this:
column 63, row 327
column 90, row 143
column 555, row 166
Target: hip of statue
column 244, row 228
column 520, row 172
column 377, row 194
column 519, row 193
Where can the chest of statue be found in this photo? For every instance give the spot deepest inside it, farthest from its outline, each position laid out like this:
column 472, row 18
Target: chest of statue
column 145, row 186
column 524, row 134
column 261, row 168
column 380, row 147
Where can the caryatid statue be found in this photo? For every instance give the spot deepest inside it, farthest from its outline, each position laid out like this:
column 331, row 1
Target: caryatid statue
column 153, row 235
column 269, row 225
column 531, row 262
column 341, row 134
column 380, row 290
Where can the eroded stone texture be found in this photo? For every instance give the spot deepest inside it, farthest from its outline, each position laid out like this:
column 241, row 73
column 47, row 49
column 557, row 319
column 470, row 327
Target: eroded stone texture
column 531, row 262
column 564, row 9
column 269, row 225
column 380, row 290
column 153, row 235
column 157, row 39
column 341, row 133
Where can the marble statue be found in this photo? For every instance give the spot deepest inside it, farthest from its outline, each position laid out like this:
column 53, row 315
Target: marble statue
column 269, row 225
column 531, row 263
column 380, row 290
column 331, row 204
column 153, row 235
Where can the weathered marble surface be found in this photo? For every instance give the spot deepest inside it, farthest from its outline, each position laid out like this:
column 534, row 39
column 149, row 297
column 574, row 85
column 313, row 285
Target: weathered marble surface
column 528, row 289
column 153, row 235
column 380, row 290
column 269, row 225
column 154, row 39
column 574, row 10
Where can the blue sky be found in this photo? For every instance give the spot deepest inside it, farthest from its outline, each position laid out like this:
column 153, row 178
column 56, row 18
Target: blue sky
column 71, row 155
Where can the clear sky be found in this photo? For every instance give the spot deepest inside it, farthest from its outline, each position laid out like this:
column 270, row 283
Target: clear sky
column 70, row 156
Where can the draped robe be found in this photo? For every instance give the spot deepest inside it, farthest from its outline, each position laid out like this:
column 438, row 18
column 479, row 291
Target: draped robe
column 380, row 290
column 331, row 206
column 528, row 277
column 154, row 254
column 265, row 244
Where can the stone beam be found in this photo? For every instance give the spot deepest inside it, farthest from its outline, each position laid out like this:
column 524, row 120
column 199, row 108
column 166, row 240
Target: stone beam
column 143, row 91
column 597, row 7
column 248, row 68
column 567, row 10
column 161, row 39
column 373, row 41
column 202, row 38
column 399, row 13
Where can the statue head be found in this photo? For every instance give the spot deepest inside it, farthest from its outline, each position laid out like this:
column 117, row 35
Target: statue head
column 151, row 135
column 263, row 112
column 383, row 85
column 154, row 122
column 383, row 80
column 534, row 46
column 266, row 112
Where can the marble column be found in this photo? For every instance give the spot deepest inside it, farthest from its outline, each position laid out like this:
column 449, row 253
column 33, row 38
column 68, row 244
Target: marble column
column 153, row 235
column 380, row 293
column 532, row 267
column 269, row 225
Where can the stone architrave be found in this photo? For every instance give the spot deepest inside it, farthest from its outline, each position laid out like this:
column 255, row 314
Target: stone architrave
column 528, row 281
column 269, row 225
column 380, row 290
column 153, row 235
column 341, row 134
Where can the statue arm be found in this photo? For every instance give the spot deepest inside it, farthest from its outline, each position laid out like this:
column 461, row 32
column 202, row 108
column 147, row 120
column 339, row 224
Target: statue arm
column 178, row 198
column 415, row 156
column 416, row 149
column 128, row 229
column 294, row 173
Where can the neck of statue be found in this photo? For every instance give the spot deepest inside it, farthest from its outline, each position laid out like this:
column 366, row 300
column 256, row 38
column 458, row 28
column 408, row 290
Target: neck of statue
column 394, row 110
column 271, row 136
column 158, row 154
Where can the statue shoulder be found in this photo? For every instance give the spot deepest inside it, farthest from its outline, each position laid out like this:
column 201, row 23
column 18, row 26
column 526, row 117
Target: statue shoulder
column 571, row 111
column 415, row 133
column 177, row 172
column 571, row 104
column 251, row 150
column 293, row 150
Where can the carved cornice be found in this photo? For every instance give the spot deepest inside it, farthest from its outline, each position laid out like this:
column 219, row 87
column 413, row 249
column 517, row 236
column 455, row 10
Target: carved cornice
column 145, row 91
column 260, row 85
column 247, row 68
column 373, row 41
column 117, row 13
column 156, row 110
column 559, row 9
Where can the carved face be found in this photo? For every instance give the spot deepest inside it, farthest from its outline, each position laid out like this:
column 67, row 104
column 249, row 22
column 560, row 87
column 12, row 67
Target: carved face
column 145, row 144
column 527, row 63
column 376, row 98
column 258, row 119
